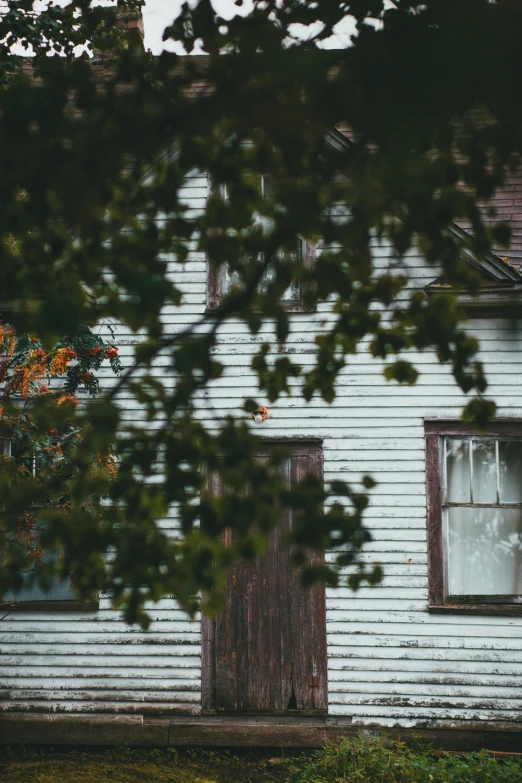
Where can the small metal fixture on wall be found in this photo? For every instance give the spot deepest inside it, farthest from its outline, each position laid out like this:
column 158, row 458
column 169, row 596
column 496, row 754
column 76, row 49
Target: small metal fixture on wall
column 260, row 414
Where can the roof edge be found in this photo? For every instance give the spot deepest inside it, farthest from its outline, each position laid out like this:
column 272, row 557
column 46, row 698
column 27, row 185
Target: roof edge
column 491, row 265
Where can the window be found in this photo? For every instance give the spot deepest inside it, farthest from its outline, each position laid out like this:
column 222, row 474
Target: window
column 474, row 491
column 219, row 281
column 31, row 592
column 60, row 589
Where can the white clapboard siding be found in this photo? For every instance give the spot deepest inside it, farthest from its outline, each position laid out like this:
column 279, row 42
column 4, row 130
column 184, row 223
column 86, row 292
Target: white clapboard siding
column 390, row 662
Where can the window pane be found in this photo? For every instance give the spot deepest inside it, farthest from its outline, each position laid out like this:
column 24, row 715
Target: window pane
column 293, row 255
column 484, row 551
column 510, row 463
column 458, row 470
column 59, row 590
column 291, row 294
column 231, row 278
column 484, row 471
column 5, row 447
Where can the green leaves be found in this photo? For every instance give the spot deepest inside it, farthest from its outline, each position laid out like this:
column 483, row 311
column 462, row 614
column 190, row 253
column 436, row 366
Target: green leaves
column 274, row 377
column 371, row 157
column 479, row 411
column 369, row 759
column 402, row 372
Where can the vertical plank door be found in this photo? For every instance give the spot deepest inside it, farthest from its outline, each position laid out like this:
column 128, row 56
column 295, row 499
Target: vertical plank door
column 266, row 651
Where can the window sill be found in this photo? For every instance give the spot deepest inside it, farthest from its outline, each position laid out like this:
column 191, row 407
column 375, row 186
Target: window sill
column 498, row 610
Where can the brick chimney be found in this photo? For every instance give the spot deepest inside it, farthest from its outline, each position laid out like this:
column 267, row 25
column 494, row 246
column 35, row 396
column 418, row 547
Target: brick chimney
column 131, row 21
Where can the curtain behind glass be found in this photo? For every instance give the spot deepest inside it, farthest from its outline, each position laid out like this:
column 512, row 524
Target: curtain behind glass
column 484, row 551
column 484, row 542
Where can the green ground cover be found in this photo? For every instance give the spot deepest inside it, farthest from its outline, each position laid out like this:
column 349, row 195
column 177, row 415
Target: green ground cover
column 353, row 761
column 371, row 761
column 129, row 765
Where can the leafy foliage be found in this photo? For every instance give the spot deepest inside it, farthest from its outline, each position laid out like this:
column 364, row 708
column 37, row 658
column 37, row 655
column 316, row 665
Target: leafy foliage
column 38, row 432
column 369, row 760
column 93, row 154
column 59, row 29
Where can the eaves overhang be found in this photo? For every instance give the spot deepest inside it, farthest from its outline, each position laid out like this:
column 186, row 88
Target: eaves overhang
column 493, row 266
column 500, row 293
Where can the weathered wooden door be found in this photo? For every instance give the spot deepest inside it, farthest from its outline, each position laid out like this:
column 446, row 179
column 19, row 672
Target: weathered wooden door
column 266, row 652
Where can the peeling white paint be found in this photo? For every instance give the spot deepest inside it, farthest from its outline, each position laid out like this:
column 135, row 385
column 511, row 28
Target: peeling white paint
column 390, row 661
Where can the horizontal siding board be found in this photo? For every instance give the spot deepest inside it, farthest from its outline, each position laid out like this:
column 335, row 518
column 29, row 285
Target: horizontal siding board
column 411, row 714
column 342, row 671
column 104, row 695
column 102, row 619
column 426, row 642
column 505, row 708
column 111, row 706
column 470, row 625
column 412, row 604
column 86, row 637
column 97, row 683
column 24, row 673
column 186, row 632
column 48, row 647
column 359, row 690
column 424, row 632
column 444, row 683
column 433, row 655
column 94, row 662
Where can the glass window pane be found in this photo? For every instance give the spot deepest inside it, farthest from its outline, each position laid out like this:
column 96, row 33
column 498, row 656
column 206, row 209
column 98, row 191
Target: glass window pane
column 5, row 447
column 58, row 591
column 458, row 470
column 484, row 471
column 291, row 294
column 231, row 279
column 484, row 551
column 510, row 464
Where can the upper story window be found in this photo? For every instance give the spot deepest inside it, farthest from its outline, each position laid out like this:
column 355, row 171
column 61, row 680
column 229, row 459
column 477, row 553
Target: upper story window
column 220, row 281
column 475, row 516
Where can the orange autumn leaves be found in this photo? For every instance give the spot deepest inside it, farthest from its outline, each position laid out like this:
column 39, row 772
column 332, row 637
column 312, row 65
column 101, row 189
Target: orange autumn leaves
column 27, row 373
column 60, row 360
column 27, row 370
column 28, row 377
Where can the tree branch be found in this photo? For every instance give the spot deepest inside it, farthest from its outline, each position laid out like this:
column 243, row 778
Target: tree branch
column 235, row 302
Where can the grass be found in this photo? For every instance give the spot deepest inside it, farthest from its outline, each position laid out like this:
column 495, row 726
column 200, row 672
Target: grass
column 360, row 760
column 130, row 765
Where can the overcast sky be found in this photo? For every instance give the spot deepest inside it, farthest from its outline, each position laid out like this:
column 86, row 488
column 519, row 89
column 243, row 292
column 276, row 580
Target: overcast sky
column 157, row 14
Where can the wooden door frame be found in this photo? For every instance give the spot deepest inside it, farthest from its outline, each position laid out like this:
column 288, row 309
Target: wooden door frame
column 297, row 445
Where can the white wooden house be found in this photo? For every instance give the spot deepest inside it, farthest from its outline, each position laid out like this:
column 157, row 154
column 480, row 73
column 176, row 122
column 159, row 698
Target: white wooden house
column 435, row 649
